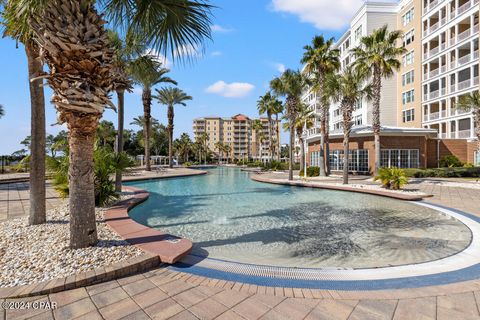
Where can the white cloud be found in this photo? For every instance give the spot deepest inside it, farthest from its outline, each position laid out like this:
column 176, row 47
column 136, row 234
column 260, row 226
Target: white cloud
column 280, row 67
column 188, row 51
column 216, row 53
column 323, row 14
column 218, row 28
column 230, row 90
column 159, row 57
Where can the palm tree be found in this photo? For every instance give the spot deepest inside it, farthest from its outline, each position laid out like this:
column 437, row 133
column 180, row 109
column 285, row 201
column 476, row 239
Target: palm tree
column 227, row 149
column 257, row 127
column 219, row 146
column 305, row 121
column 378, row 55
column 2, row 111
column 76, row 48
column 266, row 104
column 183, row 145
column 321, row 59
column 202, row 140
column 105, row 133
column 15, row 25
column 148, row 72
column 471, row 102
column 171, row 97
column 277, row 110
column 290, row 84
column 347, row 88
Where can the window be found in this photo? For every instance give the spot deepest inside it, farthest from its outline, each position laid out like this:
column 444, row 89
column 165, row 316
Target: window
column 408, row 78
column 336, row 112
column 358, row 33
column 408, row 97
column 408, row 115
column 408, row 59
column 358, row 160
column 408, row 38
column 400, row 158
column 358, row 105
column 358, row 120
column 408, row 17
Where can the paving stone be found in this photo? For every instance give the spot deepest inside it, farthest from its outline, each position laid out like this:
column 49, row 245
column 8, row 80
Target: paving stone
column 184, row 315
column 457, row 306
column 374, row 309
column 175, row 287
column 269, row 301
column 209, row 291
column 293, row 308
column 48, row 315
column 149, row 297
column 230, row 298
column 138, row 315
column 138, row 287
column 208, row 309
column 94, row 315
column 416, row 309
column 332, row 310
column 190, row 297
column 251, row 308
column 229, row 315
column 66, row 297
column 108, row 297
column 164, row 309
column 119, row 309
column 102, row 287
column 74, row 310
column 25, row 313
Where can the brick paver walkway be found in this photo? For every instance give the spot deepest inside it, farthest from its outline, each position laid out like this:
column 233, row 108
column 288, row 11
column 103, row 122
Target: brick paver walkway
column 164, row 294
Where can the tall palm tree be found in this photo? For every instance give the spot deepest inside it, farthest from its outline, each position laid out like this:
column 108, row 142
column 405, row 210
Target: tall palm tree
column 266, row 105
column 305, row 121
column 378, row 54
column 321, row 59
column 2, row 111
column 347, row 88
column 471, row 102
column 290, row 84
column 227, row 149
column 219, row 147
column 277, row 109
column 171, row 97
column 202, row 139
column 148, row 72
column 76, row 48
column 257, row 127
column 15, row 25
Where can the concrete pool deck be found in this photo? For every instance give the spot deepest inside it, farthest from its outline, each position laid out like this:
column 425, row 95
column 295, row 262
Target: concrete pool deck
column 166, row 294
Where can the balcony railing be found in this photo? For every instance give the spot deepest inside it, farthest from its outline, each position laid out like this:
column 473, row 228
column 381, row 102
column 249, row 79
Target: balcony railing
column 434, row 94
column 434, row 73
column 433, row 116
column 464, row 84
column 463, row 134
column 453, row 40
column 475, row 81
column 443, row 68
column 443, row 114
column 452, row 14
column 443, row 136
column 443, row 91
column 434, row 27
column 464, row 35
column 464, row 7
column 434, row 51
column 465, row 59
column 432, row 5
column 452, row 88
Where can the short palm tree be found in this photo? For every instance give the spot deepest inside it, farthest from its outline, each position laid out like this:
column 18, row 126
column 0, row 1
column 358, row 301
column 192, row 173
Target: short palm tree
column 183, row 145
column 347, row 88
column 171, row 97
column 147, row 72
column 305, row 121
column 321, row 59
column 219, row 148
column 471, row 102
column 227, row 149
column 77, row 50
column 105, row 133
column 378, row 54
column 291, row 85
column 15, row 25
column 266, row 105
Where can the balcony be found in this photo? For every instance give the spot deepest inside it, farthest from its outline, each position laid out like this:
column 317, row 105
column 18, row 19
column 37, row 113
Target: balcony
column 475, row 81
column 434, row 94
column 464, row 60
column 452, row 88
column 464, row 7
column 434, row 51
column 434, row 116
column 464, row 134
column 432, row 5
column 464, row 84
column 434, row 73
column 464, row 35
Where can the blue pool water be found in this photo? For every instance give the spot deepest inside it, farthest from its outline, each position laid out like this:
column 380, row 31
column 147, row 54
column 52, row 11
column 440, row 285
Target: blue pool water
column 229, row 216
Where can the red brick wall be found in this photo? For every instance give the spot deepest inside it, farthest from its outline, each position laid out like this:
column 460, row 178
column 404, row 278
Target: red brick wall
column 460, row 148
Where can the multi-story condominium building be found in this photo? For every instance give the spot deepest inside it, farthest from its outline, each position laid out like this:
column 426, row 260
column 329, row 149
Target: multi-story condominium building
column 418, row 105
column 450, row 64
column 238, row 133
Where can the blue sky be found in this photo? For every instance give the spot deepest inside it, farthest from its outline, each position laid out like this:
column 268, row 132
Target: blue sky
column 253, row 40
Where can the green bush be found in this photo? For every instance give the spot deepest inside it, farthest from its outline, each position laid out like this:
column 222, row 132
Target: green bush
column 311, row 172
column 464, row 172
column 187, row 164
column 450, row 161
column 255, row 164
column 392, row 178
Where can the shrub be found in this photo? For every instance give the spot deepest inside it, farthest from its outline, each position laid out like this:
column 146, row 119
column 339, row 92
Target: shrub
column 450, row 161
column 187, row 164
column 392, row 178
column 311, row 172
column 255, row 164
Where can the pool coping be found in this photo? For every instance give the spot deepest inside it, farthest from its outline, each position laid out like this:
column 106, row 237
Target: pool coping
column 326, row 186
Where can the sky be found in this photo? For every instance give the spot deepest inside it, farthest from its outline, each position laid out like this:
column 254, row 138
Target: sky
column 253, row 41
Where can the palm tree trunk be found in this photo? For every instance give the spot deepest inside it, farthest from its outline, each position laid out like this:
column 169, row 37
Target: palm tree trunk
column 290, row 151
column 322, row 150
column 346, row 137
column 327, row 144
column 83, row 229
column 170, row 136
column 37, row 157
column 278, row 147
column 147, row 103
column 302, row 155
column 120, row 110
column 270, row 138
column 377, row 87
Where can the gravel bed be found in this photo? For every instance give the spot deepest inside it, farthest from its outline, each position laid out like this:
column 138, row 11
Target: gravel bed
column 32, row 254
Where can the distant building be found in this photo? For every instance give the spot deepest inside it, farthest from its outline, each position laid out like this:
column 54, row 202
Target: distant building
column 238, row 133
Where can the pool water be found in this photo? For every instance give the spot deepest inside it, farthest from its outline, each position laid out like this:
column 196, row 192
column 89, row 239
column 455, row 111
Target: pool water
column 229, row 216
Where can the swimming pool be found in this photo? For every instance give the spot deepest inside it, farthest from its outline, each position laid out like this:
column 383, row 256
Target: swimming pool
column 230, row 217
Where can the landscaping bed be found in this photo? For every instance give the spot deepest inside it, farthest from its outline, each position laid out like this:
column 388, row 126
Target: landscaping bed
column 32, row 254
